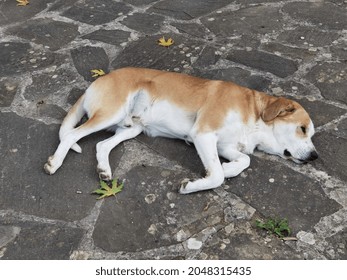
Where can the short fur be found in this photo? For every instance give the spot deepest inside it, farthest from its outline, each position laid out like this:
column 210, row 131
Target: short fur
column 220, row 118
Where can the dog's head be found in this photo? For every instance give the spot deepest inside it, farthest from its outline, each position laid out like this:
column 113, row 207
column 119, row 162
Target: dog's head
column 292, row 129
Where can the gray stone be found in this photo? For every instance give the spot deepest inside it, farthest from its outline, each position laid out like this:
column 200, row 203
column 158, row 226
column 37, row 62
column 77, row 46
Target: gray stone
column 250, row 20
column 130, row 219
column 96, row 12
column 192, row 9
column 332, row 150
column 289, row 52
column 267, row 62
column 8, row 90
column 145, row 23
column 20, row 57
column 323, row 14
column 8, row 234
column 176, row 150
column 331, row 79
column 14, row 14
column 74, row 94
column 61, row 4
column 288, row 194
column 43, row 242
column 147, row 53
column 207, row 57
column 88, row 58
column 140, row 2
column 113, row 37
column 315, row 109
column 339, row 51
column 49, row 84
column 339, row 242
column 50, row 110
column 24, row 185
column 241, row 245
column 239, row 76
column 303, row 36
column 191, row 29
column 46, row 32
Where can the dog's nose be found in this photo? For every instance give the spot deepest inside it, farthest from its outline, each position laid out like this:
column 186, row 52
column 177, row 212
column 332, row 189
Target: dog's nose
column 313, row 156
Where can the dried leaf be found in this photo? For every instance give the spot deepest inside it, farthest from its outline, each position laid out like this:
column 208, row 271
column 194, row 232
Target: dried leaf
column 105, row 190
column 22, row 2
column 97, row 72
column 165, row 43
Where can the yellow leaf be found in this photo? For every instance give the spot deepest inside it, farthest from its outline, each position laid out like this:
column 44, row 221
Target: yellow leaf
column 97, row 72
column 165, row 43
column 22, row 2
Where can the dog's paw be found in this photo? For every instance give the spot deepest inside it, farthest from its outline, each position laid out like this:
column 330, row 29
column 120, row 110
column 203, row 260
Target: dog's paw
column 48, row 167
column 183, row 189
column 105, row 175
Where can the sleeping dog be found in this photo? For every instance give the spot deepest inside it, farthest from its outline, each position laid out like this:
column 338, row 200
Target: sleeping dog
column 220, row 118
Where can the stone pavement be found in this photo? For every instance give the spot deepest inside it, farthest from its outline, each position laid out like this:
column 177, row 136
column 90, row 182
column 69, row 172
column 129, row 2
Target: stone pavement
column 290, row 48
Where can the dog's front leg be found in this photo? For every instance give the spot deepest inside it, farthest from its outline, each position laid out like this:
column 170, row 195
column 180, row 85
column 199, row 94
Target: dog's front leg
column 238, row 161
column 206, row 146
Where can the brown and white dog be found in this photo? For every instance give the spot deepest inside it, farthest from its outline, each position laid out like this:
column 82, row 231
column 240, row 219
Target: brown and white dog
column 220, row 118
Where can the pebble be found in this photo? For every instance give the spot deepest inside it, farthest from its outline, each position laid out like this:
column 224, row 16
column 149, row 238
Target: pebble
column 150, row 198
column 271, row 180
column 194, row 244
column 152, row 229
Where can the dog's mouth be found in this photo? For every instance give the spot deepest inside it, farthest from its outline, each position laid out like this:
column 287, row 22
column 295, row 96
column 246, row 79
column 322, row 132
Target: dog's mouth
column 313, row 155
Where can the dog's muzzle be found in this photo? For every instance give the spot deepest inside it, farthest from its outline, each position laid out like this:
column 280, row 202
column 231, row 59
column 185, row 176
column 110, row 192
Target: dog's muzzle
column 312, row 156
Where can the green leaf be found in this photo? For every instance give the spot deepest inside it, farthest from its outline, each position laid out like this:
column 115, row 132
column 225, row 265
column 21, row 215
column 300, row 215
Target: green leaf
column 105, row 190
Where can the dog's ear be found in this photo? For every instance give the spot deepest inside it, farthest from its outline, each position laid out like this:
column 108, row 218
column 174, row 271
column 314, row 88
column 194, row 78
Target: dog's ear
column 279, row 108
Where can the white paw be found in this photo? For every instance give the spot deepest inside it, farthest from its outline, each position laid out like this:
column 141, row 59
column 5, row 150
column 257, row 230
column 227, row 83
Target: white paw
column 105, row 174
column 51, row 166
column 185, row 186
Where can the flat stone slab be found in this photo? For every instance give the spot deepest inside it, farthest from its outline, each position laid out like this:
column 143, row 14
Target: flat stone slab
column 331, row 79
column 149, row 23
column 303, row 36
column 326, row 15
column 96, row 12
column 240, row 241
column 36, row 241
column 274, row 64
column 255, row 20
column 25, row 186
column 112, row 37
column 15, row 14
column 192, row 9
column 274, row 190
column 46, row 32
column 314, row 108
column 21, row 57
column 50, row 84
column 147, row 53
column 239, row 76
column 332, row 147
column 88, row 58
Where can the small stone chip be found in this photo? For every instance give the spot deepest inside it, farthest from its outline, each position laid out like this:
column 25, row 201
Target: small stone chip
column 271, row 180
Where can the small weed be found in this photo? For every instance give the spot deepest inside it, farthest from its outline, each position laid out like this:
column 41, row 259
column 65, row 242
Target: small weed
column 278, row 227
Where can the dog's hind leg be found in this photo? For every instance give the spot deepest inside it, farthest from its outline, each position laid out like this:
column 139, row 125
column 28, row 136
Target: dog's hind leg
column 104, row 148
column 99, row 121
column 206, row 145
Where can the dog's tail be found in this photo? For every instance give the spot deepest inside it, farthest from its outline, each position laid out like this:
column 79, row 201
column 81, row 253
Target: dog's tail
column 72, row 118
